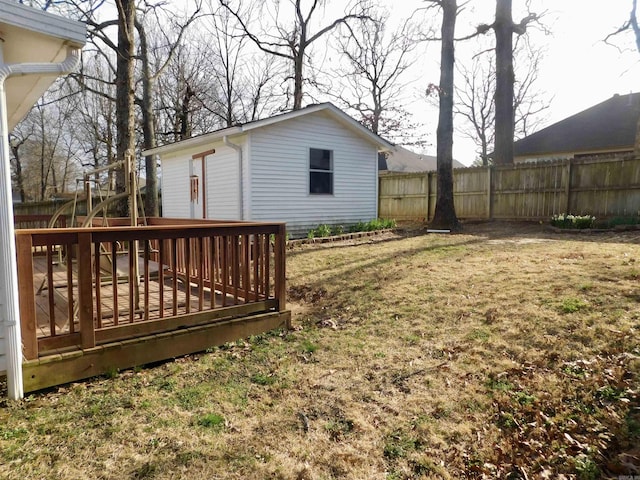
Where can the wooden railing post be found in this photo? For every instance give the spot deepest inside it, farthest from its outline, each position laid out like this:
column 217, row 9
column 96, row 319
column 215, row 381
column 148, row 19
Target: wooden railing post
column 280, row 267
column 26, row 297
column 85, row 291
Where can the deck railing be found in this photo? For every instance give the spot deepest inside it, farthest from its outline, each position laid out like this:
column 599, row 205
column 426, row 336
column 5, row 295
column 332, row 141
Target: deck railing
column 116, row 283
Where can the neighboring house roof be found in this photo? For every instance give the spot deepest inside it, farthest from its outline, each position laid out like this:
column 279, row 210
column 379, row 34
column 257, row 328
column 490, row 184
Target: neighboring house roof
column 327, row 108
column 607, row 126
column 30, row 35
column 404, row 160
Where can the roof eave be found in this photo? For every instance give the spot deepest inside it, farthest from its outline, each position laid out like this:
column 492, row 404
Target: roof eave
column 193, row 142
column 38, row 21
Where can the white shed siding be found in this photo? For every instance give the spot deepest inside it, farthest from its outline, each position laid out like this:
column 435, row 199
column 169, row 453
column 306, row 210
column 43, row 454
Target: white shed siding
column 176, row 199
column 223, row 184
column 280, row 174
column 3, row 348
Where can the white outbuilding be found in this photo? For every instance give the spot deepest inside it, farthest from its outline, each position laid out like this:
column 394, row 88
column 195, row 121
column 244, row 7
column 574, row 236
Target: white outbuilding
column 35, row 48
column 306, row 167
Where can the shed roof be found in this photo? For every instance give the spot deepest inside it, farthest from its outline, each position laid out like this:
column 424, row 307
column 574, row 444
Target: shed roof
column 610, row 125
column 328, row 108
column 30, row 35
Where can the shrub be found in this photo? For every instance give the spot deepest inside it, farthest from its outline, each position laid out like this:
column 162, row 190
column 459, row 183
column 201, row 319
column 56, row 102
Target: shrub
column 319, row 231
column 573, row 221
column 376, row 224
column 622, row 220
column 326, row 231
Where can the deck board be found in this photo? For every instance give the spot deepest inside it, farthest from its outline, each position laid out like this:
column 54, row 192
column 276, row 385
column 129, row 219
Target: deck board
column 109, row 316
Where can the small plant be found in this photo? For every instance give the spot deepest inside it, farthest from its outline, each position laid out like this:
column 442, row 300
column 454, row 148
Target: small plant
column 572, row 305
column 309, row 347
column 337, row 429
column 579, row 222
column 499, row 384
column 212, row 420
column 262, row 379
column 337, row 230
column 323, row 230
column 523, row 398
column 373, row 225
column 609, row 393
column 399, row 445
column 320, row 231
column 586, row 468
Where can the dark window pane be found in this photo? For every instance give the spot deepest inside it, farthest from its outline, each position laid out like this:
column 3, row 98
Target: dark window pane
column 320, row 182
column 320, row 159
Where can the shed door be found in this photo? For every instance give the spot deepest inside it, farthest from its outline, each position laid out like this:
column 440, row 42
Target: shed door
column 196, row 188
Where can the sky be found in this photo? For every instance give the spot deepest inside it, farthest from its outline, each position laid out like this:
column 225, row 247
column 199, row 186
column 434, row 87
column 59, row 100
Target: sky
column 578, row 69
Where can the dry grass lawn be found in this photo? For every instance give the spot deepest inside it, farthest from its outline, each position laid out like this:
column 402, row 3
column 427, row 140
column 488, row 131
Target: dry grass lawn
column 502, row 352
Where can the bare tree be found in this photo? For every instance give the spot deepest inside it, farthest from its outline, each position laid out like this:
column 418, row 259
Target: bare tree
column 371, row 84
column 43, row 148
column 631, row 24
column 243, row 80
column 292, row 41
column 504, row 28
column 475, row 97
column 148, row 79
column 475, row 103
column 445, row 213
column 183, row 90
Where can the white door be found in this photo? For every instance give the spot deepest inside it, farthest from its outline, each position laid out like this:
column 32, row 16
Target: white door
column 196, row 188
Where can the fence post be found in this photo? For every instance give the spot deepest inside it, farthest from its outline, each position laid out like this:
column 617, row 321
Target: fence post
column 85, row 291
column 426, row 217
column 567, row 188
column 26, row 298
column 489, row 193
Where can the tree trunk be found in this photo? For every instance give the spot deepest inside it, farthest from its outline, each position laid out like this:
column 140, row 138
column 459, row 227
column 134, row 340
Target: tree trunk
column 445, row 214
column 124, row 93
column 19, row 178
column 297, row 79
column 185, row 125
column 148, row 130
column 505, row 116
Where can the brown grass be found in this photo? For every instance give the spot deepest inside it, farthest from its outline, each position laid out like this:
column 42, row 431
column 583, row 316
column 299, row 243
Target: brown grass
column 501, row 352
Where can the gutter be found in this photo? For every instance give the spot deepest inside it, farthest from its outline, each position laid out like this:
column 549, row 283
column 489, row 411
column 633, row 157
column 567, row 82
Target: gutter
column 9, row 306
column 237, row 148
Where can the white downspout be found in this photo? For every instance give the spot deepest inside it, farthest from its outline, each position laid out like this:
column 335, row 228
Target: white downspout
column 238, row 149
column 9, row 308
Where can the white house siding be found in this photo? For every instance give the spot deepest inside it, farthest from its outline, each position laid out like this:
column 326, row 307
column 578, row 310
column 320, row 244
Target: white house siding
column 176, row 200
column 280, row 174
column 223, row 184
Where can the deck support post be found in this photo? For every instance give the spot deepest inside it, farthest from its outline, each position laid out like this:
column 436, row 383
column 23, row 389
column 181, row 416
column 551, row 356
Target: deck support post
column 280, row 266
column 28, row 321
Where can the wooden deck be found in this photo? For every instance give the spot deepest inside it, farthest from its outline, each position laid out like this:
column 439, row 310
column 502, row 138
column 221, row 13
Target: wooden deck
column 205, row 282
column 63, row 297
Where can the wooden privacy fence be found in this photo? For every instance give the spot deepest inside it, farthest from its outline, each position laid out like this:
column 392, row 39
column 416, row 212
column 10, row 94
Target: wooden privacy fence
column 535, row 191
column 118, row 282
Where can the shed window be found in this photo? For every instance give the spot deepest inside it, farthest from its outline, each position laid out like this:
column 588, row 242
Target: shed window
column 320, row 171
